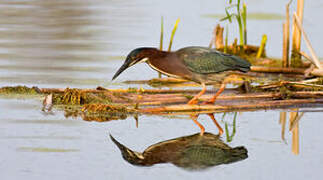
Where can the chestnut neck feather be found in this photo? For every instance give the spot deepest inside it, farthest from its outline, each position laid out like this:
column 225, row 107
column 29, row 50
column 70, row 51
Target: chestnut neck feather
column 168, row 63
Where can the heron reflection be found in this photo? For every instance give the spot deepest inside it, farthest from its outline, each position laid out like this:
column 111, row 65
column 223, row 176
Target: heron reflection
column 190, row 152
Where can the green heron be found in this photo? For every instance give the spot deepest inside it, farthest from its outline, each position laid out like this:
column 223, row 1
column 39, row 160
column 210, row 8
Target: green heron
column 198, row 64
column 189, row 152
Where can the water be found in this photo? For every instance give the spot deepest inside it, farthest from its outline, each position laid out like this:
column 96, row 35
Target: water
column 81, row 44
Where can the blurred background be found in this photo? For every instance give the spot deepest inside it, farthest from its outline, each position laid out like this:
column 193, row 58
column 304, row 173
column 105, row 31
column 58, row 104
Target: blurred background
column 80, row 43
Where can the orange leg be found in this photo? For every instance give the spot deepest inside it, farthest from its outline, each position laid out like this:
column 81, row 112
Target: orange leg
column 194, row 100
column 216, row 123
column 194, row 118
column 212, row 100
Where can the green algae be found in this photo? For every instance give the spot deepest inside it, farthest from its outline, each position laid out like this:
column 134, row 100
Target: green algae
column 19, row 90
column 45, row 149
column 79, row 97
column 104, row 112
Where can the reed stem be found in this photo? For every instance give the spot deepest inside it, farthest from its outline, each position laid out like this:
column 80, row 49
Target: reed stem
column 296, row 47
column 244, row 20
column 161, row 39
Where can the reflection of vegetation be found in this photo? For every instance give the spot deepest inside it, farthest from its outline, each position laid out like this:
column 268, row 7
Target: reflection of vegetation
column 189, row 152
column 97, row 112
column 294, row 118
column 230, row 137
column 45, row 149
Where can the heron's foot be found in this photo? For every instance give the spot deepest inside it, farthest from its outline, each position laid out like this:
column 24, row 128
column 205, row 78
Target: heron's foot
column 193, row 101
column 208, row 103
column 194, row 118
column 220, row 132
column 202, row 133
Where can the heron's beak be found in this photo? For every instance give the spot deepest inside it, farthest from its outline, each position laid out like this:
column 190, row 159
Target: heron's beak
column 132, row 157
column 124, row 66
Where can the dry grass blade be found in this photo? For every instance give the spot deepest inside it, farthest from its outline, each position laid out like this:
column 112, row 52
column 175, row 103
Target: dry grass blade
column 173, row 34
column 314, row 59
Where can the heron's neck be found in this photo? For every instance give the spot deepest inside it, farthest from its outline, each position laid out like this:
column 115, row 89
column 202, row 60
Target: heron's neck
column 167, row 63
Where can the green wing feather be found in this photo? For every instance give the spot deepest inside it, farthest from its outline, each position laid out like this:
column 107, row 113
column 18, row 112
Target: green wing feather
column 204, row 60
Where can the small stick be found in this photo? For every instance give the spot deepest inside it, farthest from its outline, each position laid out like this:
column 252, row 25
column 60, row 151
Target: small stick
column 317, row 72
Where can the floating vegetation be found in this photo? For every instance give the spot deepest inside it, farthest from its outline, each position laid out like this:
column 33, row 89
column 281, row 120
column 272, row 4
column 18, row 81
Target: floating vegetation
column 118, row 102
column 19, row 90
column 99, row 108
column 79, row 97
column 104, row 112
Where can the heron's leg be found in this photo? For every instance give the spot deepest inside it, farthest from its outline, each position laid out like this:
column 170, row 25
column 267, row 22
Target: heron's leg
column 212, row 100
column 216, row 123
column 194, row 118
column 195, row 98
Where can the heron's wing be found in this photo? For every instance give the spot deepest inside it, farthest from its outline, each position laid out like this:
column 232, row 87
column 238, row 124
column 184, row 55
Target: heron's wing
column 205, row 60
